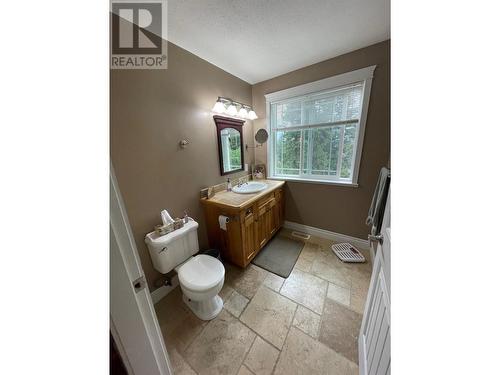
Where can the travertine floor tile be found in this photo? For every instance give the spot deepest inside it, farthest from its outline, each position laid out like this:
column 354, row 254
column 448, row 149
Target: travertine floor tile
column 357, row 301
column 303, row 264
column 360, row 280
column 327, row 268
column 245, row 281
column 270, row 315
column 307, row 321
column 274, row 282
column 307, row 257
column 180, row 366
column 309, row 252
column 185, row 332
column 339, row 294
column 303, row 355
column 306, row 289
column 340, row 329
column 244, row 371
column 322, row 242
column 262, row 357
column 226, row 292
column 359, row 289
column 171, row 311
column 236, row 304
column 221, row 347
column 362, row 269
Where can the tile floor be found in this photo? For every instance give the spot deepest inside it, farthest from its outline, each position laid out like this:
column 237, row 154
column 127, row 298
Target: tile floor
column 307, row 323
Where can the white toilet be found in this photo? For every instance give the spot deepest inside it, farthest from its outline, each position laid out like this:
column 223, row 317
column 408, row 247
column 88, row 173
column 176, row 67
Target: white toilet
column 201, row 277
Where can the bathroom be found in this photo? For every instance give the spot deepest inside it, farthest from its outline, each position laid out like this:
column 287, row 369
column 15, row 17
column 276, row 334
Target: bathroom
column 169, row 152
column 215, row 187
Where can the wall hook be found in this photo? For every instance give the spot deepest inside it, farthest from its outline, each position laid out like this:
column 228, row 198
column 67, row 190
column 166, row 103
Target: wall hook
column 183, row 143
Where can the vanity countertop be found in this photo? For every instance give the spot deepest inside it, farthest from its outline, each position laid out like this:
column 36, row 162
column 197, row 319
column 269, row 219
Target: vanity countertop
column 238, row 201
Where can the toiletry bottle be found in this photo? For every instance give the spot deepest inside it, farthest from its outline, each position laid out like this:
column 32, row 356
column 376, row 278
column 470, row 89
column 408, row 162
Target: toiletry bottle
column 186, row 217
column 229, row 187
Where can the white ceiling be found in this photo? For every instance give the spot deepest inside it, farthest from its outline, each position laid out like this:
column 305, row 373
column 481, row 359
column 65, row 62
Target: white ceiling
column 260, row 39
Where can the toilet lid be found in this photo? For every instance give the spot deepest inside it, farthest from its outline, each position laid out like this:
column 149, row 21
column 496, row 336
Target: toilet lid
column 201, row 273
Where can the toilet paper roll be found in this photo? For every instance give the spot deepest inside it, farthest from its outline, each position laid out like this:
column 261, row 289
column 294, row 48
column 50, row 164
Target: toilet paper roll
column 223, row 220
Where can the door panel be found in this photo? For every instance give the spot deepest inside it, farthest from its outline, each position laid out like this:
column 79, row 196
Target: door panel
column 380, row 333
column 375, row 336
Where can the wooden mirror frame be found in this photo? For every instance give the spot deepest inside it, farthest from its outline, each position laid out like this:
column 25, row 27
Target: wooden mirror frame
column 226, row 122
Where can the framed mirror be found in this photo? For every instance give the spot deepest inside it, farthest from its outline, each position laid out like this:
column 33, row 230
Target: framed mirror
column 230, row 141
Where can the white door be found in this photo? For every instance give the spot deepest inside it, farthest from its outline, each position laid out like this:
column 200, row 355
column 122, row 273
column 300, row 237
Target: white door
column 375, row 336
column 134, row 325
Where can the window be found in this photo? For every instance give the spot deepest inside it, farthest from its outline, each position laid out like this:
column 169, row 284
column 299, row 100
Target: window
column 317, row 129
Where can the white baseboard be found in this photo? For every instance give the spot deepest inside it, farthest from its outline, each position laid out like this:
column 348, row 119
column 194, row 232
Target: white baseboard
column 161, row 292
column 337, row 237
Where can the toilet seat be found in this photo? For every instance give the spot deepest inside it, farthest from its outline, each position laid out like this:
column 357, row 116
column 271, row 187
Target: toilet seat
column 201, row 273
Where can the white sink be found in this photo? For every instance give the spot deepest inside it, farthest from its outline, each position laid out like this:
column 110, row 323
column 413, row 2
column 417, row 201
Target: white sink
column 249, row 187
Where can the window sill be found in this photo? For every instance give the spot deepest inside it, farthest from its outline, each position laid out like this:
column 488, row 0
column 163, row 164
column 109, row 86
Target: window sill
column 320, row 182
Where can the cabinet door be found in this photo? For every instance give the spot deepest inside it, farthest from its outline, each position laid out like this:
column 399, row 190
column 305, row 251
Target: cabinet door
column 248, row 236
column 262, row 231
column 262, row 226
column 274, row 214
column 269, row 222
column 266, row 226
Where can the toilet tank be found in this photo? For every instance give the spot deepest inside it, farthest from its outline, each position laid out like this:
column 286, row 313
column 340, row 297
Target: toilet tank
column 170, row 250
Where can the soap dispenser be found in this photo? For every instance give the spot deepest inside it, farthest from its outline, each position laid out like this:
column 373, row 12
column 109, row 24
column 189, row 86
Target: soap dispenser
column 229, row 187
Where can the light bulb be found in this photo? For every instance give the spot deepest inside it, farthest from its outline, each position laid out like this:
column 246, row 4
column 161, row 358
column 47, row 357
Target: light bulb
column 231, row 110
column 252, row 115
column 219, row 107
column 243, row 113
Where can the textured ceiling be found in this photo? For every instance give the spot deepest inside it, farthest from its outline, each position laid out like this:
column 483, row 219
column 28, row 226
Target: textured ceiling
column 260, row 39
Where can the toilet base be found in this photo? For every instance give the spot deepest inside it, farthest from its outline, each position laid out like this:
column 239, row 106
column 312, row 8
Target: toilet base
column 205, row 310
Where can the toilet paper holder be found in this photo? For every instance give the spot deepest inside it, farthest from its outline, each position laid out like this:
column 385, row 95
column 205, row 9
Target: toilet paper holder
column 224, row 222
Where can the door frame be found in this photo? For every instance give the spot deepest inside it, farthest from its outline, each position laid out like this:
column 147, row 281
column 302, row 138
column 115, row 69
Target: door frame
column 133, row 321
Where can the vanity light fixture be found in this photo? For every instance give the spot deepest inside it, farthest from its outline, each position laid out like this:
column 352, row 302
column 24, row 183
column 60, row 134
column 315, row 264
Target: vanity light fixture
column 243, row 113
column 219, row 107
column 233, row 108
column 252, row 115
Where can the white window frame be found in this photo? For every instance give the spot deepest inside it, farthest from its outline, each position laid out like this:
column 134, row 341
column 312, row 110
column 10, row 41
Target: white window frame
column 365, row 76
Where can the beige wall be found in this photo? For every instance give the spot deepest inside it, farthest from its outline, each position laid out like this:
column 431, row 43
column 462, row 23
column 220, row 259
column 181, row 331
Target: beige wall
column 151, row 111
column 336, row 208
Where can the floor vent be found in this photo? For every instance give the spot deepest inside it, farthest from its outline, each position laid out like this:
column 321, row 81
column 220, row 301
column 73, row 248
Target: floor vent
column 302, row 235
column 348, row 253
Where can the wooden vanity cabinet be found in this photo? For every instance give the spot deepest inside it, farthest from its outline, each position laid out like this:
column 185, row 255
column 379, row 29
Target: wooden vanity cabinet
column 250, row 227
column 248, row 234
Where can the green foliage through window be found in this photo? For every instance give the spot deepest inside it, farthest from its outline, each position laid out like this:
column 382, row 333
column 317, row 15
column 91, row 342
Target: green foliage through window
column 315, row 136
